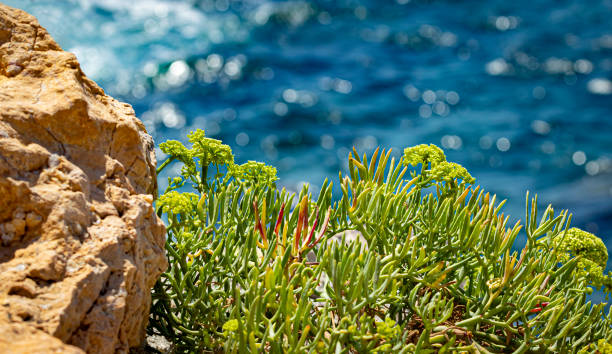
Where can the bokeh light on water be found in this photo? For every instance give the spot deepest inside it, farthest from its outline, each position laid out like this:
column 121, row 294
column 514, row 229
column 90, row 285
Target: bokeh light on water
column 518, row 92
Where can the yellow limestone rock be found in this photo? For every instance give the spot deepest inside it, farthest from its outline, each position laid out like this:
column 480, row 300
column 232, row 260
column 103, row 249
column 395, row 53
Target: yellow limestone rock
column 80, row 244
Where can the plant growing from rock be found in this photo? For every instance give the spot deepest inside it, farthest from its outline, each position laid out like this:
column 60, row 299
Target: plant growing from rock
column 433, row 268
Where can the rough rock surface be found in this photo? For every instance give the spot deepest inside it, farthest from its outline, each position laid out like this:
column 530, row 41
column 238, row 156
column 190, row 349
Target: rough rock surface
column 80, row 244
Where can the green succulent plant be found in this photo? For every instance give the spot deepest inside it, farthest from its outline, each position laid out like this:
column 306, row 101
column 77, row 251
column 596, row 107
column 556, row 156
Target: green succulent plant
column 257, row 269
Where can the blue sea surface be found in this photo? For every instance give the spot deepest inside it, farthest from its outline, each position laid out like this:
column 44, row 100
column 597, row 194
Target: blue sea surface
column 519, row 92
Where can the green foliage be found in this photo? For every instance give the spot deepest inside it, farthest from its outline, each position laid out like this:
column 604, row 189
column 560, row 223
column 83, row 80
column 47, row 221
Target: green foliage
column 253, row 268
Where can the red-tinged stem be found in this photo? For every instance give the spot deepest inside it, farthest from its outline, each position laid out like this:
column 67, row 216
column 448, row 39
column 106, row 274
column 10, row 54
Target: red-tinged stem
column 303, row 215
column 305, row 220
column 314, row 225
column 279, row 220
column 324, row 228
column 258, row 225
column 539, row 307
column 547, row 293
column 278, row 225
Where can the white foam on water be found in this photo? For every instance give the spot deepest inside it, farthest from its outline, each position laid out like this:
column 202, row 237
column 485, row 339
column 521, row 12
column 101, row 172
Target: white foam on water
column 113, row 37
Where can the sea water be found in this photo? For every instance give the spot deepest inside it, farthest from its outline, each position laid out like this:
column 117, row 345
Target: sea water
column 519, row 92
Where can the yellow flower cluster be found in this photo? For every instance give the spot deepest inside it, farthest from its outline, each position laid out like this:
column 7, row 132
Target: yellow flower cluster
column 254, row 172
column 388, row 328
column 423, row 154
column 210, row 150
column 447, row 171
column 207, row 149
column 602, row 346
column 176, row 149
column 440, row 170
column 178, row 203
column 593, row 253
column 230, row 326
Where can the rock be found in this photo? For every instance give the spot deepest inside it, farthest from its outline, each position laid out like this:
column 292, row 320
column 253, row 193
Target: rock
column 81, row 246
column 21, row 338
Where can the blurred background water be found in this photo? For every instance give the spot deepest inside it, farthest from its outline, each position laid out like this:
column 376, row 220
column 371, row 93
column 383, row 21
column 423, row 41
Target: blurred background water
column 519, row 92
